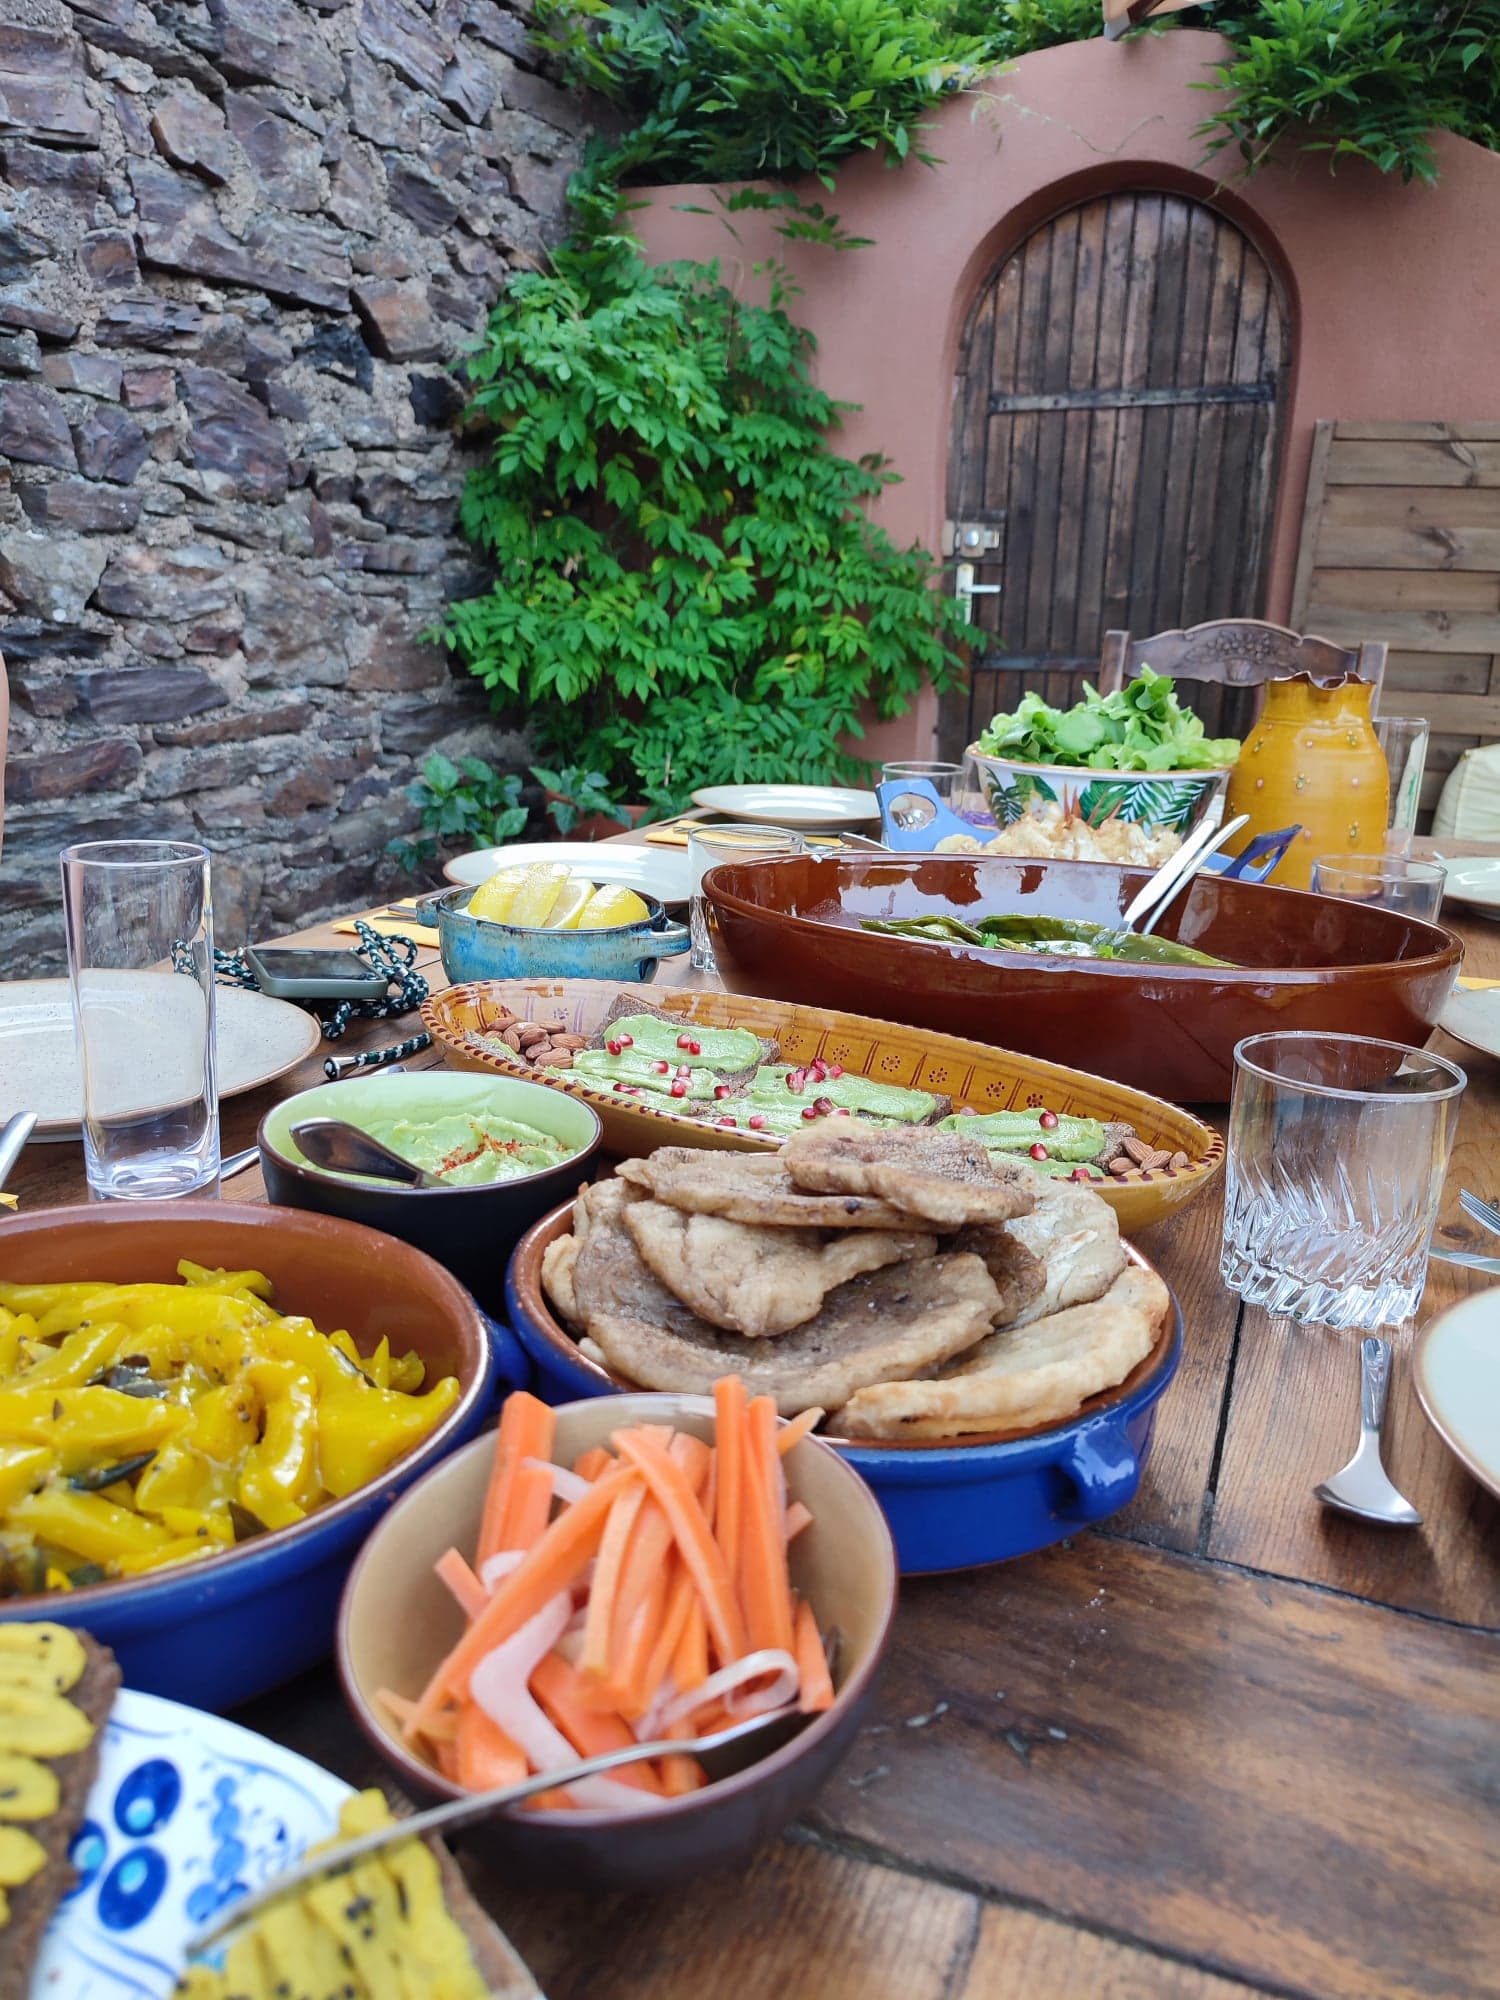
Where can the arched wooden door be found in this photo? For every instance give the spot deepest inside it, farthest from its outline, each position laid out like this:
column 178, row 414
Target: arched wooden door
column 1117, row 417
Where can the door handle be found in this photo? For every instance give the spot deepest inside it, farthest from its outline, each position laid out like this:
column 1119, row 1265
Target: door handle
column 965, row 589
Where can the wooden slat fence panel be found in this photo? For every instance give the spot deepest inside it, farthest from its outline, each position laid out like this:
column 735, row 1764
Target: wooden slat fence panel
column 1401, row 542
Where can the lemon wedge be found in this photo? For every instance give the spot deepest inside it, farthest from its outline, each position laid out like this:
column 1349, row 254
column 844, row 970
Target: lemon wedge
column 609, row 906
column 571, row 901
column 492, row 899
column 537, row 893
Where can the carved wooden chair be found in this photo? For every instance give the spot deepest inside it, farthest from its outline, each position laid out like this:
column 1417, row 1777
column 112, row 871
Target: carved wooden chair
column 1237, row 653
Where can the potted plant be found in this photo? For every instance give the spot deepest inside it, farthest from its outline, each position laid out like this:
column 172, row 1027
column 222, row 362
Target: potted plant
column 466, row 804
column 579, row 802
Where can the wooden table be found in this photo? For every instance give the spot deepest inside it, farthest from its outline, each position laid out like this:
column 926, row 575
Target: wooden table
column 1227, row 1744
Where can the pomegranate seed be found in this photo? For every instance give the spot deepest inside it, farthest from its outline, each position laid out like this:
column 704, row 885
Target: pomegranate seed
column 1039, row 1152
column 796, row 1080
column 1080, row 1174
column 1048, row 1121
column 695, row 1048
column 843, row 1111
column 662, row 1068
column 757, row 1121
column 723, row 1090
column 808, row 1111
column 627, row 1041
column 628, row 1088
column 835, row 1069
column 823, row 1105
column 684, row 1041
column 614, row 1048
column 819, row 1069
column 731, row 1122
column 679, row 1088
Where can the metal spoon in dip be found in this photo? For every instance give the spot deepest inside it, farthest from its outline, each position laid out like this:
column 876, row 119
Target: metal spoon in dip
column 340, row 1148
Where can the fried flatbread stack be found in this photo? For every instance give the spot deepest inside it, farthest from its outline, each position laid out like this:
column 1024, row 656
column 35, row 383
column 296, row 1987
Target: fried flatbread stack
column 900, row 1278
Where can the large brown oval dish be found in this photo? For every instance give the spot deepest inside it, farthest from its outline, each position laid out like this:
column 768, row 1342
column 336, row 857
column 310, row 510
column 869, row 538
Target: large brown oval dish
column 789, row 929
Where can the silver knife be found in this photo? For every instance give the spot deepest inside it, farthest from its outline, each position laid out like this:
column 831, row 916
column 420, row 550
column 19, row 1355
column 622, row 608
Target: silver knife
column 13, row 1136
column 1470, row 1260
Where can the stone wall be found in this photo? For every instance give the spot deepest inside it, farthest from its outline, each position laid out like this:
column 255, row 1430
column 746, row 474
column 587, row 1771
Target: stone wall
column 239, row 241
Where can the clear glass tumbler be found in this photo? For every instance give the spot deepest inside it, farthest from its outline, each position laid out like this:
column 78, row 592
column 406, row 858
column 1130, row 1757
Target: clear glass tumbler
column 942, row 777
column 1414, row 888
column 141, row 962
column 1338, row 1147
column 1403, row 738
column 710, row 845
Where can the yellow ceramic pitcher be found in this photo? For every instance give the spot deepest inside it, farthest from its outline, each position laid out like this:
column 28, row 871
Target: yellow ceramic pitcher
column 1313, row 760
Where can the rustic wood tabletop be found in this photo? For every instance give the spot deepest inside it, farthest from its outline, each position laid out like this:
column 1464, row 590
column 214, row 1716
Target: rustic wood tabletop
column 1228, row 1743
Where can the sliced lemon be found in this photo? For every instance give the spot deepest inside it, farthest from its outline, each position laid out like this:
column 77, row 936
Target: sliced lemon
column 570, row 905
column 611, row 905
column 536, row 895
column 492, row 899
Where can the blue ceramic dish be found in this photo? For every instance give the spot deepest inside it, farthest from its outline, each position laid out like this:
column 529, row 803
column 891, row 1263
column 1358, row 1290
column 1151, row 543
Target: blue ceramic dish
column 949, row 1506
column 475, row 948
column 216, row 1631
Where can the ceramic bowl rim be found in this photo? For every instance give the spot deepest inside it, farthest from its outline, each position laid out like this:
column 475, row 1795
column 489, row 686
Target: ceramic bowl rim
column 1089, row 775
column 1439, row 958
column 656, row 918
column 1487, row 1477
column 1201, row 1167
column 321, row 1177
column 691, row 1804
column 341, row 1512
column 979, row 1447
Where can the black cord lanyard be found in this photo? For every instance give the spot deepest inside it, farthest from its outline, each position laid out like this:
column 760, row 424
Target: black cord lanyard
column 394, row 956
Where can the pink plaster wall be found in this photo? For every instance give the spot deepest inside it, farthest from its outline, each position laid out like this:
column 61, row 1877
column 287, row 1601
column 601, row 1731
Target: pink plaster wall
column 1394, row 290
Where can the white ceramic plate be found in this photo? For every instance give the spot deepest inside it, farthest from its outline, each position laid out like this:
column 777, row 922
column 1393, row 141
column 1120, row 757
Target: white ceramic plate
column 188, row 1813
column 1457, row 1371
column 259, row 1039
column 661, row 872
column 1476, row 881
column 796, row 806
column 1474, row 1019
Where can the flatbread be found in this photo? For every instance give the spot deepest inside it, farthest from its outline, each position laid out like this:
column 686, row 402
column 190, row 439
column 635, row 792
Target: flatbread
column 558, row 1259
column 753, row 1280
column 941, row 1177
column 751, row 1187
column 1021, row 1376
column 1076, row 1235
column 1019, row 1275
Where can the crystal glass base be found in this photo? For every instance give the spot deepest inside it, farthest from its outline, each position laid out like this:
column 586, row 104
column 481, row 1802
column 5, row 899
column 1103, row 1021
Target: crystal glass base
column 1289, row 1296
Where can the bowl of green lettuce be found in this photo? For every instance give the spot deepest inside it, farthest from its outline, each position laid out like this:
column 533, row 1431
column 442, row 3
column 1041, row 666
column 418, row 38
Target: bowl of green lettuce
column 1135, row 755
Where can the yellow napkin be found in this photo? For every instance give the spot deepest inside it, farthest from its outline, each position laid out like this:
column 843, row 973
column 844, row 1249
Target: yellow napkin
column 10, row 1201
column 1478, row 985
column 389, row 927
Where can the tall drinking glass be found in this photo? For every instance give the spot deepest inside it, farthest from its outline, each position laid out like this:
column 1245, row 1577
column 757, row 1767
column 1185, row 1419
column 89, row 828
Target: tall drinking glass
column 1338, row 1146
column 1414, row 888
column 1403, row 738
column 710, row 845
column 141, row 962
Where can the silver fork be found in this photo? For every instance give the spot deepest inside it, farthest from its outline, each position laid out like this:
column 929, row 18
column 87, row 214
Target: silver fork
column 1483, row 1212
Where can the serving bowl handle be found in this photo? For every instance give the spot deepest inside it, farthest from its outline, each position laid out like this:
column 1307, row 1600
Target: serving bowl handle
column 667, row 942
column 512, row 1364
column 1104, row 1468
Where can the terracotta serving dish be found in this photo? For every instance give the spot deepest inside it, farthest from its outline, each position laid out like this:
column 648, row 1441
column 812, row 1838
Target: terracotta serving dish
column 790, row 928
column 985, row 1079
column 951, row 1504
column 396, row 1622
column 217, row 1631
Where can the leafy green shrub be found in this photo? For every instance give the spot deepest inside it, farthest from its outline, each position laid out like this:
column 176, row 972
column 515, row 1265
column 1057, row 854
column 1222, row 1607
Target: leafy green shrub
column 686, row 591
column 467, row 802
column 577, row 793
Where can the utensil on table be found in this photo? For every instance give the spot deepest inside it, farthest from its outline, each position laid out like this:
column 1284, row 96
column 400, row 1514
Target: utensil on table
column 1364, row 1488
column 141, row 969
column 238, row 1162
column 1411, row 888
column 1483, row 1212
column 13, row 1136
column 707, row 847
column 1338, row 1146
column 1469, row 1260
column 337, row 1067
column 1150, row 902
column 464, row 1812
column 340, row 1148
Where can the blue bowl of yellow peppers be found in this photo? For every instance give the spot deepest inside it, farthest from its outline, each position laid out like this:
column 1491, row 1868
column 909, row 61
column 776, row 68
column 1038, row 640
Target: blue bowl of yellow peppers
column 189, row 1466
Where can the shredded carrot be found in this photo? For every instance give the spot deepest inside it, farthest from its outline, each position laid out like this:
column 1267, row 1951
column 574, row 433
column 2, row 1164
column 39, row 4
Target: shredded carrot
column 447, row 1762
column 443, row 1728
column 557, row 1687
column 812, row 1663
column 765, row 1589
column 592, row 1462
column 729, row 1433
column 681, row 1775
column 797, row 1429
column 529, row 1508
column 485, row 1756
column 690, row 1655
column 680, row 1599
column 798, row 1517
column 461, row 1580
column 694, row 1538
column 604, row 1585
column 525, row 1431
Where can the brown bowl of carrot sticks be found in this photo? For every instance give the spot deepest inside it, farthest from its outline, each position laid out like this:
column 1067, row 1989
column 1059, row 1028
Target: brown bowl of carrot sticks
column 625, row 1568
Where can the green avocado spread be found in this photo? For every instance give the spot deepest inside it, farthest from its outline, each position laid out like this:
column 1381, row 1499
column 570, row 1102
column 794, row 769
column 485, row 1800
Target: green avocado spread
column 469, row 1149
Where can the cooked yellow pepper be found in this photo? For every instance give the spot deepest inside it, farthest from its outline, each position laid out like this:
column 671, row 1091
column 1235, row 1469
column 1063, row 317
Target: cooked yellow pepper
column 149, row 1424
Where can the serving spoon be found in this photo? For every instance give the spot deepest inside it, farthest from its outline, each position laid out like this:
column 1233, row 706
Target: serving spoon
column 1149, row 903
column 341, row 1148
column 475, row 1806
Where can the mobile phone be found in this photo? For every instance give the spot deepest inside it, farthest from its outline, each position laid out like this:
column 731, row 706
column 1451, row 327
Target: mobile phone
column 291, row 972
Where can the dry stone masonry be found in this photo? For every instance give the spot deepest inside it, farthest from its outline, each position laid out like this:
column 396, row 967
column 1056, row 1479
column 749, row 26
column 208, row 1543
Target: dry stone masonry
column 240, row 243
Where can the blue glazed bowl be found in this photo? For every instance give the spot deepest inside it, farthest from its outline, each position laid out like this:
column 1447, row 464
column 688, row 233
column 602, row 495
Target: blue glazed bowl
column 476, row 948
column 217, row 1631
column 950, row 1506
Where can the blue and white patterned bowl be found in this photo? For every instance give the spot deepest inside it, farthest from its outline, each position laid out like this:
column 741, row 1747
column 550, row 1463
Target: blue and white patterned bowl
column 188, row 1814
column 1172, row 800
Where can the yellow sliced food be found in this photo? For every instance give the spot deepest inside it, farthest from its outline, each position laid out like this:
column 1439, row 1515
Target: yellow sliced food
column 40, row 1724
column 23, row 1468
column 28, row 1790
column 536, row 895
column 21, row 1857
column 43, row 1656
column 612, row 905
column 492, row 899
column 569, row 907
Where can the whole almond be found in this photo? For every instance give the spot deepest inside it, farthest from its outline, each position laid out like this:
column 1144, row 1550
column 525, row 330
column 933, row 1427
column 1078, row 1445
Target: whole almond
column 1156, row 1160
column 1138, row 1150
column 1179, row 1160
column 512, row 1039
column 568, row 1042
column 553, row 1059
column 529, row 1032
column 1119, row 1165
column 504, row 1019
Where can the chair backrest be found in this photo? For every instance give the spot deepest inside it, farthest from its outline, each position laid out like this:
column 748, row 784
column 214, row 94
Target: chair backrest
column 1236, row 652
